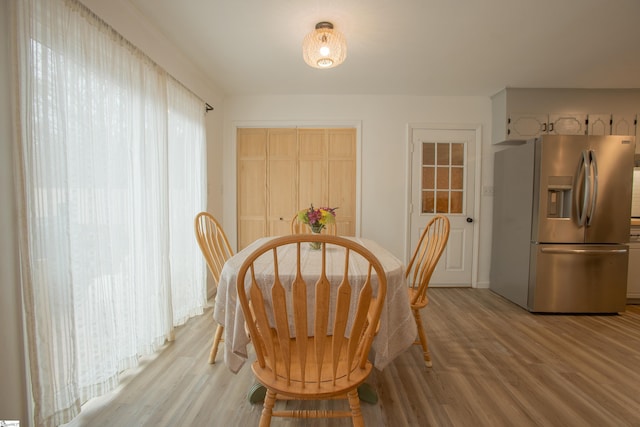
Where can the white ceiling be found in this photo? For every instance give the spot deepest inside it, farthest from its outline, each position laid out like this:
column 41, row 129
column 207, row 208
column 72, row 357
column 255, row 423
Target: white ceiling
column 408, row 47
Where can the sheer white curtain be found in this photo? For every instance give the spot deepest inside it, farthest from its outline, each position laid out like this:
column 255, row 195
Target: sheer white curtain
column 112, row 153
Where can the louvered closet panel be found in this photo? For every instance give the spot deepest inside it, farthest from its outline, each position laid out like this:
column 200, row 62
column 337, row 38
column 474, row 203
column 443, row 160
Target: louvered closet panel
column 251, row 184
column 282, row 186
column 342, row 178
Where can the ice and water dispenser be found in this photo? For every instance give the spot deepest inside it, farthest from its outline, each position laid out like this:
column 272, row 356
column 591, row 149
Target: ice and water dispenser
column 559, row 196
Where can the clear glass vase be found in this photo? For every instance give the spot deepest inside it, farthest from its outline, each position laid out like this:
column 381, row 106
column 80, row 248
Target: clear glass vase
column 315, row 245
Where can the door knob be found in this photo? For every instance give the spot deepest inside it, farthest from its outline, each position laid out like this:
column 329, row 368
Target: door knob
column 469, row 219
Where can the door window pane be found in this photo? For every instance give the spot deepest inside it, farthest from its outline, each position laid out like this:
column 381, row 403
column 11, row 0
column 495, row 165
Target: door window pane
column 456, row 202
column 443, row 178
column 427, row 202
column 457, row 178
column 428, row 153
column 442, row 153
column 442, row 202
column 428, row 177
column 457, row 154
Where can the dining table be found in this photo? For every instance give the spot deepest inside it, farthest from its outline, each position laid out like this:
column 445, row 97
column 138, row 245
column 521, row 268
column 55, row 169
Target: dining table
column 397, row 329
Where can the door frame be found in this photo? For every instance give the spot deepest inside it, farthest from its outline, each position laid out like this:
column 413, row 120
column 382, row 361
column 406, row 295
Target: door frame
column 230, row 210
column 477, row 129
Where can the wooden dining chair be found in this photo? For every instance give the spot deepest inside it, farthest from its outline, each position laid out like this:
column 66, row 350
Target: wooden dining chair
column 215, row 247
column 419, row 270
column 298, row 227
column 315, row 344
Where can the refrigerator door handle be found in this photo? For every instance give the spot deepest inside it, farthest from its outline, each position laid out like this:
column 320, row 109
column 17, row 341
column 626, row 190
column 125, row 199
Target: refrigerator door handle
column 594, row 194
column 583, row 251
column 581, row 205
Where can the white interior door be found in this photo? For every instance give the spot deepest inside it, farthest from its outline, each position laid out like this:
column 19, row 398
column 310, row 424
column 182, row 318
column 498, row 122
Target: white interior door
column 443, row 182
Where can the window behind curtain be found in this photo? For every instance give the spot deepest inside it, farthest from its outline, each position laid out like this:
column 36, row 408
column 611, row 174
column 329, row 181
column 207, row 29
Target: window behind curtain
column 112, row 174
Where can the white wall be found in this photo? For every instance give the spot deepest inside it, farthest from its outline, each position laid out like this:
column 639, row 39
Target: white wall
column 384, row 122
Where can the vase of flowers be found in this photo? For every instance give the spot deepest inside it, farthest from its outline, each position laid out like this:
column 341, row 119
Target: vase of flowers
column 317, row 219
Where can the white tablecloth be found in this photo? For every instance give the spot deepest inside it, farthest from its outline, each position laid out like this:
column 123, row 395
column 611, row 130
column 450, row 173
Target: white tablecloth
column 397, row 326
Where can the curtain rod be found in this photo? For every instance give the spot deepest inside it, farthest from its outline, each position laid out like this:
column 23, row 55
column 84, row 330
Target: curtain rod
column 207, row 107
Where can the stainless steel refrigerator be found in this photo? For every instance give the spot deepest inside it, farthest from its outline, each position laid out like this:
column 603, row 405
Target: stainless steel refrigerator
column 561, row 219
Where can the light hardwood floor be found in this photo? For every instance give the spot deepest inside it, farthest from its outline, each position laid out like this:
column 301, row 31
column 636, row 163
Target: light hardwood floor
column 494, row 364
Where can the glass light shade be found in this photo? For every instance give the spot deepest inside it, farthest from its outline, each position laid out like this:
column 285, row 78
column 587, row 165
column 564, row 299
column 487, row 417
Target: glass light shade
column 324, row 47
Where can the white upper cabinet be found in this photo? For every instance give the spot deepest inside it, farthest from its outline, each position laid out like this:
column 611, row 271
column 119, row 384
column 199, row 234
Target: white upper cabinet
column 599, row 124
column 521, row 114
column 612, row 124
column 567, row 124
column 624, row 124
column 527, row 126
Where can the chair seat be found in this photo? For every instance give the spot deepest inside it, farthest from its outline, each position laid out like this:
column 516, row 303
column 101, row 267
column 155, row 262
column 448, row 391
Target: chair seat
column 421, row 302
column 312, row 387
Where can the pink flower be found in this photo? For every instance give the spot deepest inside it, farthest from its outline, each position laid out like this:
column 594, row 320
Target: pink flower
column 317, row 218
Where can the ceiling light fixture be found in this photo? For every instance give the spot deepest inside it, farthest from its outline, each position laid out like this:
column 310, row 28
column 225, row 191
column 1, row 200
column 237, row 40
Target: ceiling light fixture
column 324, row 47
